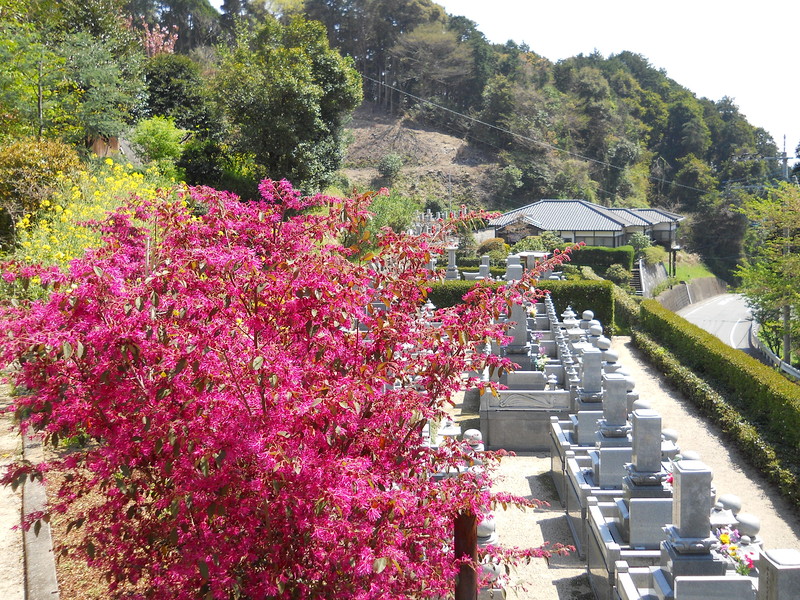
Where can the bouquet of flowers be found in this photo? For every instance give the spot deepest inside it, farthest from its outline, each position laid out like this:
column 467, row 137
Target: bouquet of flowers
column 730, row 546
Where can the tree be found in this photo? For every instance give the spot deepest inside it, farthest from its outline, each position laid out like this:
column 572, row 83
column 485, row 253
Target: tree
column 196, row 21
column 640, row 241
column 286, row 95
column 177, row 89
column 30, row 73
column 546, row 241
column 257, row 419
column 770, row 274
column 694, row 179
column 716, row 231
column 100, row 99
column 687, row 132
column 431, row 62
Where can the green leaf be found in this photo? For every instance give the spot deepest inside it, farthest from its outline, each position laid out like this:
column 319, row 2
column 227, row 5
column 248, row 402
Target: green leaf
column 256, row 363
column 97, row 271
column 379, row 564
column 179, row 366
column 67, row 348
column 203, row 568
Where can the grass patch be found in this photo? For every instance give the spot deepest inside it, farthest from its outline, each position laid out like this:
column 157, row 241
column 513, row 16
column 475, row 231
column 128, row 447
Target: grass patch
column 690, row 266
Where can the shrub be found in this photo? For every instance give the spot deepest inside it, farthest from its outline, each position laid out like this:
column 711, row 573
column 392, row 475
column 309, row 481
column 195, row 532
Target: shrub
column 596, row 296
column 498, row 257
column 246, row 441
column 202, row 162
column 390, row 165
column 61, row 232
column 546, row 242
column 29, row 172
column 469, row 262
column 159, row 141
column 639, row 241
column 492, row 244
column 626, row 310
column 600, row 257
column 618, row 274
column 654, row 255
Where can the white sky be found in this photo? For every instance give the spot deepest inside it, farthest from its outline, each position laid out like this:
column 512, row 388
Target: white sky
column 749, row 51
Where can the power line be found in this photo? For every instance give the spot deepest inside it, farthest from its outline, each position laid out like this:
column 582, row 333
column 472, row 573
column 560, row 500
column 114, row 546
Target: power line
column 524, row 137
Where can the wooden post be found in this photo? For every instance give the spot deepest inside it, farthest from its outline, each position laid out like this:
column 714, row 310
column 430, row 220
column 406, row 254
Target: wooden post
column 465, row 542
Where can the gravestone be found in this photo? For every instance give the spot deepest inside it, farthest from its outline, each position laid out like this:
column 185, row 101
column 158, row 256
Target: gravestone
column 613, row 428
column 689, row 547
column 590, row 389
column 483, row 270
column 514, row 268
column 452, row 270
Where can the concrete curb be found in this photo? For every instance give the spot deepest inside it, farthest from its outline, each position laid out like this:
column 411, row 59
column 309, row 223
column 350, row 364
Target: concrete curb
column 12, row 552
column 40, row 565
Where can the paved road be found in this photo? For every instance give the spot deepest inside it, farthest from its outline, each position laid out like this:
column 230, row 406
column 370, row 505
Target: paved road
column 726, row 316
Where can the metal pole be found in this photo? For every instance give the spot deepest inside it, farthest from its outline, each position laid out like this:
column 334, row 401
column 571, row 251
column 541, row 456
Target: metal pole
column 787, row 341
column 465, row 544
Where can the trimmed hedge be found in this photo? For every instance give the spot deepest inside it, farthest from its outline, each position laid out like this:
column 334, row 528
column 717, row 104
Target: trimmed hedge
column 626, row 310
column 600, row 257
column 763, row 395
column 468, row 262
column 777, row 462
column 597, row 296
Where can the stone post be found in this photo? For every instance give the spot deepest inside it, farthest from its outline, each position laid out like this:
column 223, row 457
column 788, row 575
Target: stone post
column 779, row 575
column 514, row 268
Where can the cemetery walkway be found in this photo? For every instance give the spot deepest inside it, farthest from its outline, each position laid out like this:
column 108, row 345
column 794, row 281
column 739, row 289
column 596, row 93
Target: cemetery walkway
column 527, row 474
column 12, row 568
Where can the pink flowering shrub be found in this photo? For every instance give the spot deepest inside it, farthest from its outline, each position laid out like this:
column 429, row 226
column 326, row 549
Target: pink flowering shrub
column 255, row 400
column 156, row 39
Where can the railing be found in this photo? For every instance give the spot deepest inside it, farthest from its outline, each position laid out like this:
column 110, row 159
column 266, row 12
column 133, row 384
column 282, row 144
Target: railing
column 769, row 356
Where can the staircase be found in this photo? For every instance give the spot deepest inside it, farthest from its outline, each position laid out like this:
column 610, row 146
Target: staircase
column 636, row 281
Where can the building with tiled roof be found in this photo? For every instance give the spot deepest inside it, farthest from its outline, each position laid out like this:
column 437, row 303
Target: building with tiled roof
column 583, row 221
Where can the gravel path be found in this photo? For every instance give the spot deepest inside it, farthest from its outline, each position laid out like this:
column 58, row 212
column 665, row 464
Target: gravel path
column 12, row 568
column 563, row 578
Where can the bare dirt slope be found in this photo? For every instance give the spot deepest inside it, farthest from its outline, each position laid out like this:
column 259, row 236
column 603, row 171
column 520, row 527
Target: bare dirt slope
column 435, row 164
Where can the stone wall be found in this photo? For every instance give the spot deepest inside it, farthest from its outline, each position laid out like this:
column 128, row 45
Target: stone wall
column 651, row 276
column 697, row 290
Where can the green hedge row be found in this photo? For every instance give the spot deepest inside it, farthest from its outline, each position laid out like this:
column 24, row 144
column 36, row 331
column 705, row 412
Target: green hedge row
column 777, row 462
column 495, row 272
column 597, row 296
column 626, row 310
column 600, row 257
column 468, row 262
column 763, row 395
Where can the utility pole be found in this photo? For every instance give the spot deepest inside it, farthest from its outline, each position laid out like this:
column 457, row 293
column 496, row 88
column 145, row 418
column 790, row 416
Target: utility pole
column 787, row 310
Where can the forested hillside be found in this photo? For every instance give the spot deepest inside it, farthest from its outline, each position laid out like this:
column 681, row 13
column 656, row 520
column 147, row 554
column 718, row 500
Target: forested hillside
column 266, row 89
column 614, row 130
